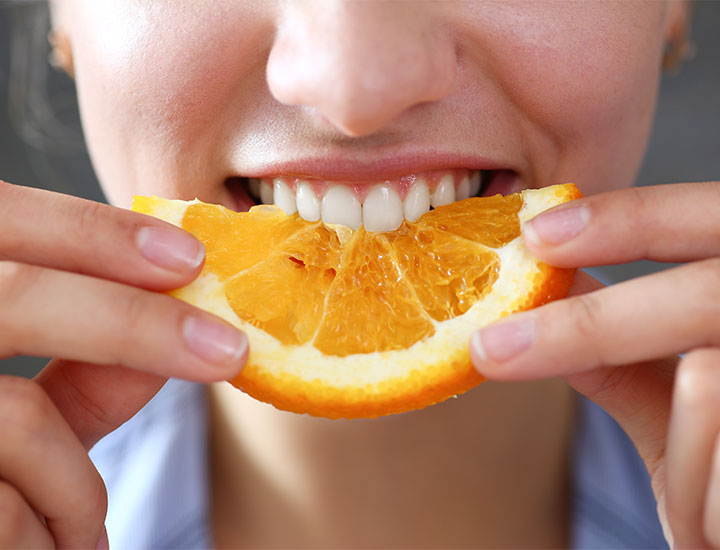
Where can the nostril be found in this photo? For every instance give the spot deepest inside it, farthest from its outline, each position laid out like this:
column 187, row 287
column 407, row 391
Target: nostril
column 359, row 66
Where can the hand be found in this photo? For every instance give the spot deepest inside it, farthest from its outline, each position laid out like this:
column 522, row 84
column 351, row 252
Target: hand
column 619, row 345
column 75, row 282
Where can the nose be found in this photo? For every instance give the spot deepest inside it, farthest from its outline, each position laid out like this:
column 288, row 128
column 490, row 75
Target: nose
column 360, row 64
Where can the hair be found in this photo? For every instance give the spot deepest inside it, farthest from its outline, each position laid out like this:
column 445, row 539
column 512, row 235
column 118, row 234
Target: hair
column 42, row 110
column 42, row 104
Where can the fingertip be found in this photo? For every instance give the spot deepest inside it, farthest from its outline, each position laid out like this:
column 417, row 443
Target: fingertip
column 478, row 357
column 532, row 239
column 218, row 344
column 556, row 226
column 243, row 352
column 170, row 248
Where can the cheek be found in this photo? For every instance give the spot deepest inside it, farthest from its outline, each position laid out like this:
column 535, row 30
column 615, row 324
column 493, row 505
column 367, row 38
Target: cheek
column 583, row 82
column 162, row 82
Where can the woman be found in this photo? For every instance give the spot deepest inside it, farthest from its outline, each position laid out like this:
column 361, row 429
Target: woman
column 180, row 100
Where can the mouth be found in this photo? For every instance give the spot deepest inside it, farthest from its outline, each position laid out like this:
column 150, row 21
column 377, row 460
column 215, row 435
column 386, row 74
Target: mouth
column 377, row 205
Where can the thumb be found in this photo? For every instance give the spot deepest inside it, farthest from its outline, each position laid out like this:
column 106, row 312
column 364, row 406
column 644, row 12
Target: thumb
column 96, row 399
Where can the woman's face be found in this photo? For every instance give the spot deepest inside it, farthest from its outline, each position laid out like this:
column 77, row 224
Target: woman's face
column 180, row 98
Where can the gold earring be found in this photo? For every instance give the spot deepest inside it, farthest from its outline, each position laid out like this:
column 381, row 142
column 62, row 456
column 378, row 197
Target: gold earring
column 677, row 50
column 61, row 56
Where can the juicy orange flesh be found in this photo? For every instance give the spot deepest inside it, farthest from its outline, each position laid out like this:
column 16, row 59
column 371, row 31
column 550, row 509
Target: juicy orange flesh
column 233, row 242
column 459, row 271
column 296, row 281
column 385, row 313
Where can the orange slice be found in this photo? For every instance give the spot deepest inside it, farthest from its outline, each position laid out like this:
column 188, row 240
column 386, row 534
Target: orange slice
column 354, row 324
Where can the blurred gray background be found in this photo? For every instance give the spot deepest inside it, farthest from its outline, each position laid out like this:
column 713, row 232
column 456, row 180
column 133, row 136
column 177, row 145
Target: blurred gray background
column 41, row 143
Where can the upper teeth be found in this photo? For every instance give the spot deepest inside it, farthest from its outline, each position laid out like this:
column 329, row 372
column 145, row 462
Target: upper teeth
column 382, row 208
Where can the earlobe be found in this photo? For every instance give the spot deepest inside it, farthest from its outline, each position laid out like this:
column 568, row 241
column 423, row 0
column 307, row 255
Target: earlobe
column 678, row 47
column 61, row 56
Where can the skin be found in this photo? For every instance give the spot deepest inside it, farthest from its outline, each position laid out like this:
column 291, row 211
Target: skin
column 176, row 98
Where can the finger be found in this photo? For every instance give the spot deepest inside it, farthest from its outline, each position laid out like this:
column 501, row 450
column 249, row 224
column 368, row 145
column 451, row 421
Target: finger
column 41, row 457
column 59, row 314
column 53, row 230
column 647, row 318
column 694, row 429
column 667, row 223
column 637, row 395
column 20, row 526
column 96, row 399
column 712, row 504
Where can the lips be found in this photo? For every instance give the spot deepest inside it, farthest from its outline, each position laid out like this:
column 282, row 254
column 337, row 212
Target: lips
column 379, row 205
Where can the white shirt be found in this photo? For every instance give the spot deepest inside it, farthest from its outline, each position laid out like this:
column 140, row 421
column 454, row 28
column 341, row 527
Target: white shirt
column 155, row 468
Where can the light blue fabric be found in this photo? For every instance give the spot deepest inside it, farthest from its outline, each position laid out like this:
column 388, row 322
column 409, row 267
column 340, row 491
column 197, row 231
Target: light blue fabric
column 612, row 503
column 156, row 471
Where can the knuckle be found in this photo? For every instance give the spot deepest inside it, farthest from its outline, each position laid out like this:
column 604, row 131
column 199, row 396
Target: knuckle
column 587, row 315
column 587, row 321
column 710, row 281
column 91, row 214
column 697, row 385
column 641, row 204
column 96, row 503
column 15, row 280
column 89, row 502
column 135, row 310
column 13, row 509
column 25, row 410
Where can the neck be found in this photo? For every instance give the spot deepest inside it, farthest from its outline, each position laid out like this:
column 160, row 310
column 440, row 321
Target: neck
column 486, row 469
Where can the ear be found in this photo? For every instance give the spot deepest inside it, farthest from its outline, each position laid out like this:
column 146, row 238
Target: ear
column 61, row 56
column 677, row 33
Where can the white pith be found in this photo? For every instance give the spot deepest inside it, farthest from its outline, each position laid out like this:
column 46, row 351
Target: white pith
column 382, row 206
column 448, row 346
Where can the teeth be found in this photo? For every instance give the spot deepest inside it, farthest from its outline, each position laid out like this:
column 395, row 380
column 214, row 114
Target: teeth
column 339, row 205
column 266, row 193
column 463, row 190
column 444, row 192
column 417, row 201
column 382, row 209
column 474, row 183
column 284, row 197
column 308, row 205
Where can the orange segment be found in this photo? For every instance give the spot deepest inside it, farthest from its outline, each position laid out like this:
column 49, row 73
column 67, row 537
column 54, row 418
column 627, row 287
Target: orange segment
column 353, row 324
column 224, row 234
column 285, row 294
column 493, row 221
column 449, row 274
column 370, row 307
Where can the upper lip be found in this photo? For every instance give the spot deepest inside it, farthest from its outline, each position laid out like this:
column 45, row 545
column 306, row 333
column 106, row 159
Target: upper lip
column 382, row 167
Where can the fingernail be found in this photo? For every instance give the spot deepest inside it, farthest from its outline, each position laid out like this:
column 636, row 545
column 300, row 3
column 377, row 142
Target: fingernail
column 214, row 342
column 503, row 341
column 170, row 249
column 557, row 226
column 103, row 543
